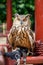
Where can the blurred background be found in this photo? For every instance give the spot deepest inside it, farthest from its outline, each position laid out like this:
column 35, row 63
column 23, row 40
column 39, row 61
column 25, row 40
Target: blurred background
column 18, row 6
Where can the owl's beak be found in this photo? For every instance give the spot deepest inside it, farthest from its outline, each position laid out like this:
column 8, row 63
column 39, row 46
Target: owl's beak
column 21, row 22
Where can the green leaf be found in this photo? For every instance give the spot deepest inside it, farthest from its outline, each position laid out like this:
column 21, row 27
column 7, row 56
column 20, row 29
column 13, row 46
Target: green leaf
column 21, row 5
column 2, row 6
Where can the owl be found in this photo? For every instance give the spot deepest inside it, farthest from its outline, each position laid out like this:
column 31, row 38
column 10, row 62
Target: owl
column 20, row 34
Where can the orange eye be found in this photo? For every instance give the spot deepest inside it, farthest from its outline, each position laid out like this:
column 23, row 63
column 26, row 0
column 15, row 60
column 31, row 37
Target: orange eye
column 24, row 19
column 18, row 18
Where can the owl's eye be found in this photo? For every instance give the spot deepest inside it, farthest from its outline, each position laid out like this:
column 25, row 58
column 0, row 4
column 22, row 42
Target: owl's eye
column 18, row 18
column 24, row 19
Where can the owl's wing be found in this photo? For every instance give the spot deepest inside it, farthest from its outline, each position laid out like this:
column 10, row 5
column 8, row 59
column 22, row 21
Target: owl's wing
column 10, row 40
column 32, row 34
column 32, row 39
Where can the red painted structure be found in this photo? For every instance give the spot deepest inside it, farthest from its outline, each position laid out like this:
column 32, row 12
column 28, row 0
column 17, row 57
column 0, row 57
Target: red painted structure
column 9, row 14
column 39, row 25
column 39, row 19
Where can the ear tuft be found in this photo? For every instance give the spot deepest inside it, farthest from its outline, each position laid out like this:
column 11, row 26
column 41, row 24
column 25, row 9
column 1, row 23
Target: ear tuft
column 16, row 15
column 28, row 15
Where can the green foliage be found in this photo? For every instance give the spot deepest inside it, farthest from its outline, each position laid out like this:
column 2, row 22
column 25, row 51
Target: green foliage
column 23, row 6
column 18, row 6
column 2, row 11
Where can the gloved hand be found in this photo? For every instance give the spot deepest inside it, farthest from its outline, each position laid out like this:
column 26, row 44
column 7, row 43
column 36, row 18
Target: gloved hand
column 13, row 55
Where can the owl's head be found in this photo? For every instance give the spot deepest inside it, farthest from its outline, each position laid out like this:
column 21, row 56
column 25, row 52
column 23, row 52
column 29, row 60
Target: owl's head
column 23, row 19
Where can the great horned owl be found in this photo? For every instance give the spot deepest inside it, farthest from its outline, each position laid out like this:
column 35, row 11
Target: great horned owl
column 20, row 34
